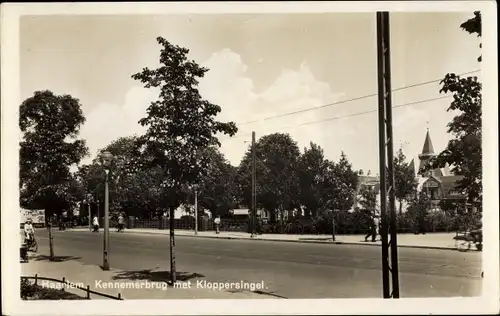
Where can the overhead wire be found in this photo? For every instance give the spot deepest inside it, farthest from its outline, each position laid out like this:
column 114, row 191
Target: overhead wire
column 344, row 102
column 347, row 115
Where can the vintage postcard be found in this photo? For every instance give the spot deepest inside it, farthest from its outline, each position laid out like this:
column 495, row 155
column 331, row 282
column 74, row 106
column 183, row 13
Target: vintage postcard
column 261, row 157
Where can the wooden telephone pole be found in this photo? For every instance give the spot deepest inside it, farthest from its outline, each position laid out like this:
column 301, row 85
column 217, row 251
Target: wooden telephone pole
column 386, row 151
column 253, row 213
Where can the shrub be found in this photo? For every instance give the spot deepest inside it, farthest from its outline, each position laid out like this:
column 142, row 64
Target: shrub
column 27, row 289
column 31, row 291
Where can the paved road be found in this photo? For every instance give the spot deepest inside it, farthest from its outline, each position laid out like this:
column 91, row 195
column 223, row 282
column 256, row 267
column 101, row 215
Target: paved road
column 290, row 270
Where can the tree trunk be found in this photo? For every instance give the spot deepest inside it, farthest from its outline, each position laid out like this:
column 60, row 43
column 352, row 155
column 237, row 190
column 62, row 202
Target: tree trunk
column 333, row 228
column 281, row 219
column 273, row 216
column 173, row 273
column 400, row 207
column 51, row 242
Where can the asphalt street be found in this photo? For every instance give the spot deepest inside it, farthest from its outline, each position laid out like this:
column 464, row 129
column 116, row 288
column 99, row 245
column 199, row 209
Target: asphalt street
column 289, row 270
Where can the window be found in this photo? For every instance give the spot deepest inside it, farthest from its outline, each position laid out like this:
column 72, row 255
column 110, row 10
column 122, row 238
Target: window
column 434, row 193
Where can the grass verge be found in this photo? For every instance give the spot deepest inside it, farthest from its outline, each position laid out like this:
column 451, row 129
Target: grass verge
column 30, row 291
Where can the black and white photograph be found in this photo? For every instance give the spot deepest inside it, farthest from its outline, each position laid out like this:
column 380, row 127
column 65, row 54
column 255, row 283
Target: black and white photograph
column 171, row 152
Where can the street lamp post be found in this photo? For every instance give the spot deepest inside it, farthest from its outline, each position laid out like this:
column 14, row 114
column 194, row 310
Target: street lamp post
column 196, row 211
column 89, row 199
column 106, row 159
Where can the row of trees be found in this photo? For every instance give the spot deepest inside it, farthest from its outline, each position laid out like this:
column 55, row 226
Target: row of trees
column 286, row 180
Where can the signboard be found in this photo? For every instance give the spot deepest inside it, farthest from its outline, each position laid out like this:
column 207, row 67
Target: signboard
column 455, row 193
column 37, row 216
column 431, row 184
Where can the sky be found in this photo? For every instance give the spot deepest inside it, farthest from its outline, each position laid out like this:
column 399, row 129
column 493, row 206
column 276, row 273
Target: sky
column 261, row 65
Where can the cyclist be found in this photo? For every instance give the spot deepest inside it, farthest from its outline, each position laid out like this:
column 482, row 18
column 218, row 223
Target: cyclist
column 29, row 231
column 477, row 234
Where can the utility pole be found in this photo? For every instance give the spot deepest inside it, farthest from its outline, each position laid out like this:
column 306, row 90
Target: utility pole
column 254, row 188
column 196, row 211
column 386, row 151
column 90, row 217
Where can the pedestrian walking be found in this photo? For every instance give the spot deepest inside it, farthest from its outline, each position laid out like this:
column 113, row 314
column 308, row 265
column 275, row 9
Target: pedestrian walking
column 374, row 228
column 121, row 223
column 259, row 225
column 217, row 224
column 95, row 224
column 376, row 223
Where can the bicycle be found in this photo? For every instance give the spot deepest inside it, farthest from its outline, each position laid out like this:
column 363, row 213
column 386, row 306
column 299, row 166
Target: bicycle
column 32, row 244
column 465, row 240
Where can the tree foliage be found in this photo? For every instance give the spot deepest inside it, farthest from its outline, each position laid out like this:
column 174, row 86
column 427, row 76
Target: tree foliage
column 180, row 124
column 287, row 180
column 133, row 192
column 474, row 26
column 464, row 152
column 368, row 199
column 343, row 182
column 218, row 190
column 277, row 157
column 312, row 168
column 49, row 147
column 405, row 181
column 418, row 209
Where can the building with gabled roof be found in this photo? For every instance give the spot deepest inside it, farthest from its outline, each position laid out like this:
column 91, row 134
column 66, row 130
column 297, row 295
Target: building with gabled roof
column 439, row 183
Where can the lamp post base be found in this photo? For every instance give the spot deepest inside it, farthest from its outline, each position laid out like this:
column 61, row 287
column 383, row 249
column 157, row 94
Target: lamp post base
column 105, row 266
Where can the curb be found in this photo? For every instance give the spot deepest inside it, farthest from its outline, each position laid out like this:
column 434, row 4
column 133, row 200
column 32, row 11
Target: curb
column 295, row 241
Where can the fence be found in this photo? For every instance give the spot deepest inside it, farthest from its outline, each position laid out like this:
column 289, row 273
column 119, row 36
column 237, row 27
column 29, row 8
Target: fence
column 204, row 224
column 75, row 286
column 344, row 226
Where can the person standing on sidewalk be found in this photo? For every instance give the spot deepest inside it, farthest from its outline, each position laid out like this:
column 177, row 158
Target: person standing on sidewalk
column 217, row 224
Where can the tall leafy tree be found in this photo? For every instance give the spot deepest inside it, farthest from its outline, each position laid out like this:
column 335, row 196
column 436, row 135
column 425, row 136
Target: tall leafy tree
column 180, row 125
column 50, row 145
column 345, row 181
column 339, row 189
column 311, row 171
column 368, row 199
column 218, row 191
column 405, row 182
column 464, row 152
column 277, row 157
column 418, row 210
column 134, row 192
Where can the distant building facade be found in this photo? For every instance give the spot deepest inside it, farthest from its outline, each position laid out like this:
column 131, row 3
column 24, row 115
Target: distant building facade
column 439, row 184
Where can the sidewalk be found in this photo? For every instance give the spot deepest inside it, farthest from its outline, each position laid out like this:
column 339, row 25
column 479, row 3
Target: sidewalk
column 115, row 281
column 428, row 241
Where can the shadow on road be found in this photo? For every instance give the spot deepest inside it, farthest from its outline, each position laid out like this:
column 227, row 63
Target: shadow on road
column 155, row 276
column 316, row 239
column 270, row 294
column 56, row 258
